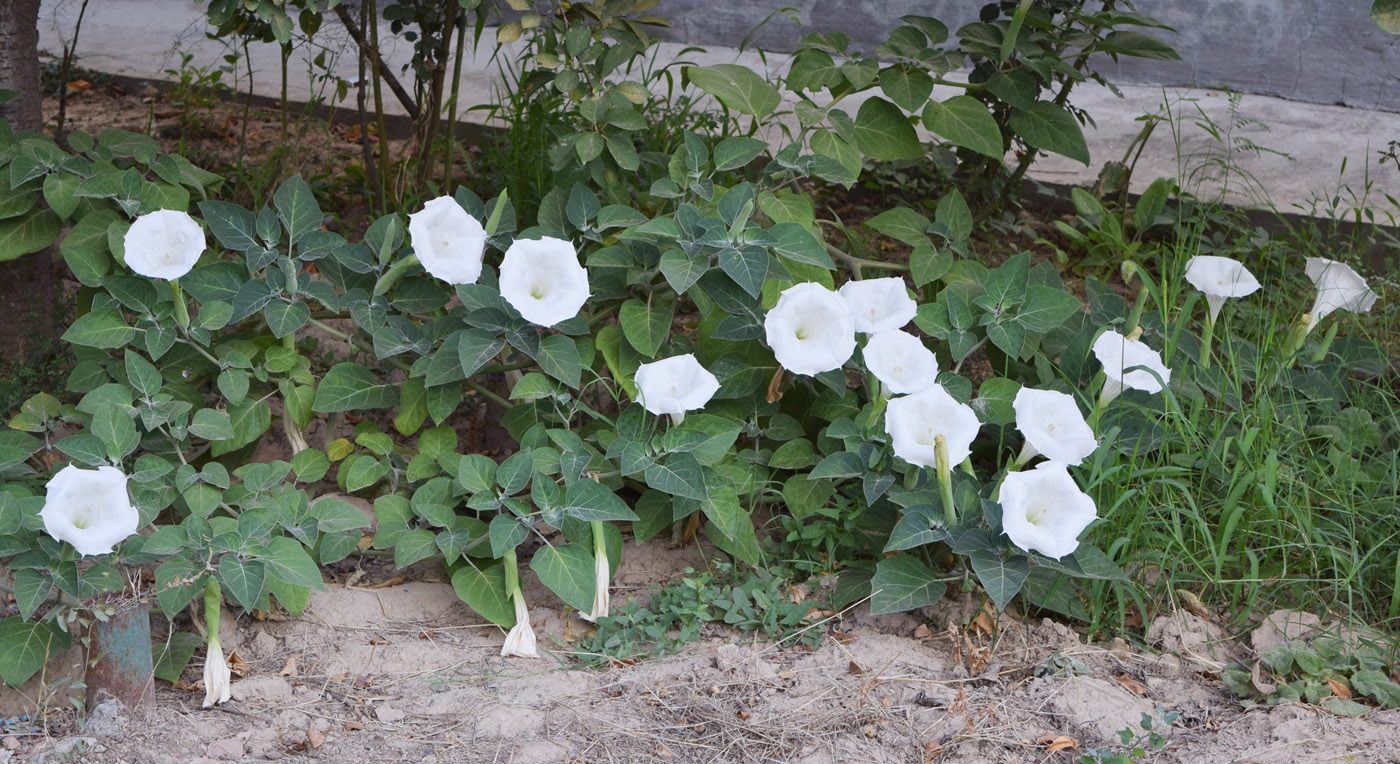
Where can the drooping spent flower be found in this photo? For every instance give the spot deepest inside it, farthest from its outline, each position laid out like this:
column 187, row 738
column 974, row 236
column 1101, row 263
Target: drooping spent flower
column 915, row 422
column 1053, row 427
column 164, row 244
column 520, row 640
column 1128, row 363
column 810, row 329
column 1219, row 279
column 1043, row 510
column 602, row 574
column 901, row 362
column 879, row 305
column 542, row 278
column 89, row 509
column 448, row 241
column 675, row 385
column 216, row 672
column 1338, row 286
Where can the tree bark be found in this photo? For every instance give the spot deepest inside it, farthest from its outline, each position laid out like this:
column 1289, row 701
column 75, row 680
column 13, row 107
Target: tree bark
column 28, row 290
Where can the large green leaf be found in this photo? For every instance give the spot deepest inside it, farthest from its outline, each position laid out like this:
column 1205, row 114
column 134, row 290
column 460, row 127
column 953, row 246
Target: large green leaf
column 559, row 358
column 737, row 87
column 103, row 328
column 1000, row 578
column 350, row 386
column 679, row 475
column 25, row 646
column 908, row 88
column 964, row 121
column 646, row 325
column 589, row 500
column 297, row 208
column 901, row 224
column 243, row 579
column 1050, row 127
column 234, row 227
column 903, row 583
column 30, row 233
column 883, row 132
column 1127, row 42
column 485, row 592
column 287, row 560
column 733, row 153
column 568, row 572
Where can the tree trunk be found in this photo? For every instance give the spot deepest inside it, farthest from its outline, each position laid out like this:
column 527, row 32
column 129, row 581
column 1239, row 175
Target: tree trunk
column 28, row 290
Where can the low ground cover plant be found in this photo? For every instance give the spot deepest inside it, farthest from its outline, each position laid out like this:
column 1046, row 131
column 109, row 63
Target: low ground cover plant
column 673, row 343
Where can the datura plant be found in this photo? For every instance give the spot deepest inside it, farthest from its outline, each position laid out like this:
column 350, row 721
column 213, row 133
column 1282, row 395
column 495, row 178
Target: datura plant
column 666, row 343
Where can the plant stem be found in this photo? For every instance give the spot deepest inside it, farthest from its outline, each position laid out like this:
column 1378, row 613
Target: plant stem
column 396, row 270
column 182, row 311
column 945, row 480
column 1205, row 342
column 490, row 396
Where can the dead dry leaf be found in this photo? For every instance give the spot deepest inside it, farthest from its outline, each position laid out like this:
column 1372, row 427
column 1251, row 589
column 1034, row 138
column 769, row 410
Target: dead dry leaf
column 1256, row 677
column 1132, row 685
column 1052, row 743
column 289, row 668
column 237, row 666
column 315, row 738
column 1339, row 689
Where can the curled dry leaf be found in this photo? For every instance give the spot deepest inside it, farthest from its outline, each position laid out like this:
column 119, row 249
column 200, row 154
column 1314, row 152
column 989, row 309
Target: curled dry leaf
column 1132, row 685
column 315, row 738
column 237, row 666
column 1053, row 743
column 1339, row 688
column 289, row 668
column 1256, row 677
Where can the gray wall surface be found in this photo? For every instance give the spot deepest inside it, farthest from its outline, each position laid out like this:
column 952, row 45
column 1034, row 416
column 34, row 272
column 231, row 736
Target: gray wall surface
column 1322, row 51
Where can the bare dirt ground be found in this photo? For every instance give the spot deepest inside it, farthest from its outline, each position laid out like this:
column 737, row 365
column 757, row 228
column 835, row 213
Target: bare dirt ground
column 405, row 673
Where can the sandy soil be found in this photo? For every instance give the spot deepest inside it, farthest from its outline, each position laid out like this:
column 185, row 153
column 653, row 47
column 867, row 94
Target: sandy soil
column 405, row 673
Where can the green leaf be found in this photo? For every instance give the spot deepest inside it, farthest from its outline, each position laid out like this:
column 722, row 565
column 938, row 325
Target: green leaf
column 796, row 242
column 283, row 318
column 250, row 419
column 679, row 475
column 505, row 533
column 1343, row 707
column 59, row 193
column 747, row 266
column 25, row 647
column 311, row 465
column 908, row 88
column 103, row 328
column 955, row 216
column 350, row 386
column 733, row 153
column 485, row 592
column 177, row 582
column 568, row 572
column 645, row 326
column 172, row 656
column 211, row 425
column 588, row 500
column 1131, row 43
column 1001, row 579
column 901, row 224
column 84, row 249
column 1050, row 127
column 883, row 132
column 559, row 358
column 234, row 227
column 915, row 528
column 242, row 579
column 903, row 583
column 117, row 432
column 289, row 561
column 964, row 121
column 1047, row 308
column 297, row 208
column 1386, row 14
column 142, row 374
column 682, row 272
column 737, row 87
column 334, row 515
column 414, row 545
column 32, row 586
column 804, row 495
column 29, row 233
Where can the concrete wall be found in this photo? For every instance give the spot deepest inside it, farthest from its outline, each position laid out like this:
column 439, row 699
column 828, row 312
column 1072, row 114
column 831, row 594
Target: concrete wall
column 1322, row 51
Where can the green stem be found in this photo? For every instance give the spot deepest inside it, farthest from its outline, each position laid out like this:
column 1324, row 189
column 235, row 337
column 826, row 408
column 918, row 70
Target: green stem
column 1206, row 341
column 182, row 311
column 490, row 396
column 211, row 609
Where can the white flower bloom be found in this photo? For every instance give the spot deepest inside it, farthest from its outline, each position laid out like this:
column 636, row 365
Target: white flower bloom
column 913, row 422
column 89, row 509
column 448, row 241
column 879, row 305
column 543, row 280
column 1053, row 426
column 1220, row 278
column 675, row 385
column 216, row 674
column 901, row 362
column 811, row 329
column 1338, row 286
column 520, row 640
column 602, row 600
column 1043, row 510
column 164, row 244
column 1118, row 354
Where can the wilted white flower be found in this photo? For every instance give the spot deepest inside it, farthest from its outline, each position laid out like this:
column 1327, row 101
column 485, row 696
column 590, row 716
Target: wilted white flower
column 216, row 673
column 914, row 423
column 810, row 329
column 543, row 279
column 1338, row 286
column 164, row 244
column 1043, row 510
column 89, row 509
column 1119, row 355
column 1053, row 426
column 675, row 385
column 520, row 640
column 879, row 305
column 901, row 362
column 1220, row 278
column 602, row 600
column 448, row 241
